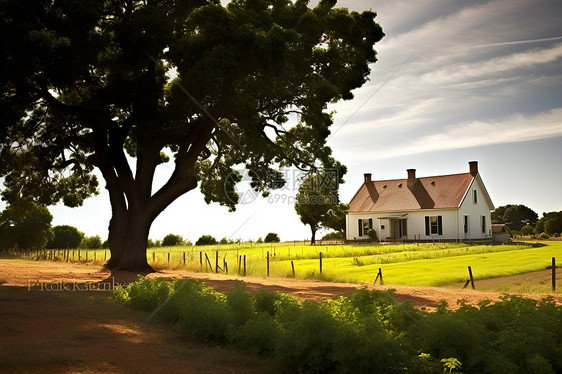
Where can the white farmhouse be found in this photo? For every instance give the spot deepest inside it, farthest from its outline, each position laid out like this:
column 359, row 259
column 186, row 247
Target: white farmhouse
column 445, row 207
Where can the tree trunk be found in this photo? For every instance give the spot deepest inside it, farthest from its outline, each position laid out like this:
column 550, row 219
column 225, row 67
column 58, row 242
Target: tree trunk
column 128, row 238
column 313, row 237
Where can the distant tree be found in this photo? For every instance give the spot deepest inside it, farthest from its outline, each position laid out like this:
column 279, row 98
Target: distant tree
column 335, row 218
column 514, row 216
column 317, row 201
column 150, row 243
column 206, row 240
column 224, row 241
column 91, row 242
column 271, row 238
column 260, row 240
column 25, row 225
column 105, row 244
column 171, row 240
column 527, row 230
column 550, row 223
column 65, row 237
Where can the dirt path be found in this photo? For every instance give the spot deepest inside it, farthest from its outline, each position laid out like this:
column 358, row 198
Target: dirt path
column 54, row 318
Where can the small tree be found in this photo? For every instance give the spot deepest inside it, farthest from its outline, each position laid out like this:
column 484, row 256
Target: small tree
column 527, row 230
column 24, row 225
column 171, row 240
column 91, row 242
column 318, row 197
column 272, row 238
column 206, row 240
column 224, row 240
column 65, row 237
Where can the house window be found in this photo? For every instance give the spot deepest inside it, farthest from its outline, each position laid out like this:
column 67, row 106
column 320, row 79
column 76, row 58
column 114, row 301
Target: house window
column 475, row 197
column 483, row 224
column 365, row 225
column 433, row 225
column 466, row 224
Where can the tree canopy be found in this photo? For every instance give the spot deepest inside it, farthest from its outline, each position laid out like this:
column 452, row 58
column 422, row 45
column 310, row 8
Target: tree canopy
column 514, row 216
column 317, row 201
column 125, row 86
column 25, row 226
column 65, row 237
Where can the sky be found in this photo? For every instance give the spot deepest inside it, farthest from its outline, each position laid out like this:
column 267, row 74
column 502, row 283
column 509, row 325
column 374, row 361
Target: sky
column 456, row 81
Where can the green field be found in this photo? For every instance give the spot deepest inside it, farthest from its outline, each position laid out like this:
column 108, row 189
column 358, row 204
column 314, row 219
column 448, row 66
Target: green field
column 439, row 264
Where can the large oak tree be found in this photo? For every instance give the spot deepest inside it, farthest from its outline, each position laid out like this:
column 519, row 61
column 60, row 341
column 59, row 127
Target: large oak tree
column 124, row 86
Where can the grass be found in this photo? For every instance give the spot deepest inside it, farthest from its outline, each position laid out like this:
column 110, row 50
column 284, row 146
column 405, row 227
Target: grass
column 439, row 264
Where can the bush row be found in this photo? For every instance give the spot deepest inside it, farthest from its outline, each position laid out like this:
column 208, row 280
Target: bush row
column 367, row 332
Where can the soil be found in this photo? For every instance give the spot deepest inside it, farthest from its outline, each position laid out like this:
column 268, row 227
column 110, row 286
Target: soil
column 58, row 317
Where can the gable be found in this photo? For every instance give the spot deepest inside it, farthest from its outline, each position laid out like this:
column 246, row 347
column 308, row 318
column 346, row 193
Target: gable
column 478, row 184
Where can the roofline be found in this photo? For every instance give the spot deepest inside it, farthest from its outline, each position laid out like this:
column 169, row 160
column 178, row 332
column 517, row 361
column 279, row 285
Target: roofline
column 402, row 210
column 429, row 177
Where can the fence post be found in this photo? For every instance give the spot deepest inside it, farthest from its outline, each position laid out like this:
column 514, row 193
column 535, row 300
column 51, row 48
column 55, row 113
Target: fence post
column 78, row 255
column 201, row 259
column 86, row 256
column 105, row 255
column 293, row 267
column 244, row 265
column 184, row 259
column 209, row 261
column 268, row 263
column 471, row 278
column 320, row 262
column 553, row 274
column 168, row 259
column 217, row 262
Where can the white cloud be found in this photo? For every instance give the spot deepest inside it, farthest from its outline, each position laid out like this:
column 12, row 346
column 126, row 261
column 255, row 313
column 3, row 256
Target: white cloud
column 495, row 66
column 512, row 129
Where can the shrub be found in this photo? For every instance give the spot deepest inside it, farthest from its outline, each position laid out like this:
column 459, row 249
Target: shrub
column 556, row 235
column 336, row 235
column 365, row 333
column 171, row 240
column 206, row 240
column 544, row 236
column 272, row 238
column 260, row 240
column 224, row 241
column 372, row 234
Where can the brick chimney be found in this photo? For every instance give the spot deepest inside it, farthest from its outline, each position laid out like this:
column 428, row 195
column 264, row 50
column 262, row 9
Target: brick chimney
column 473, row 167
column 367, row 177
column 411, row 174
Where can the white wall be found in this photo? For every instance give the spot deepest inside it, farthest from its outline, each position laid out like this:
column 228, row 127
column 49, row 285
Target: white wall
column 475, row 213
column 415, row 224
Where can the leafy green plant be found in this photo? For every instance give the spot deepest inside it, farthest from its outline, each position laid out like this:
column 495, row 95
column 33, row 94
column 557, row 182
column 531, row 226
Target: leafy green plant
column 451, row 365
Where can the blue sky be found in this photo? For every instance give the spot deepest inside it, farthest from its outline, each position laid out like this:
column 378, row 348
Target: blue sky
column 456, row 81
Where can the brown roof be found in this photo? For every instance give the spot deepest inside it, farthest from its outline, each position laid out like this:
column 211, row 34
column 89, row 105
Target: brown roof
column 440, row 192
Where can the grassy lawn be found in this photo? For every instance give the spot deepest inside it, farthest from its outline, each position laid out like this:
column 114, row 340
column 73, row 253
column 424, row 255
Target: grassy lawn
column 437, row 264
